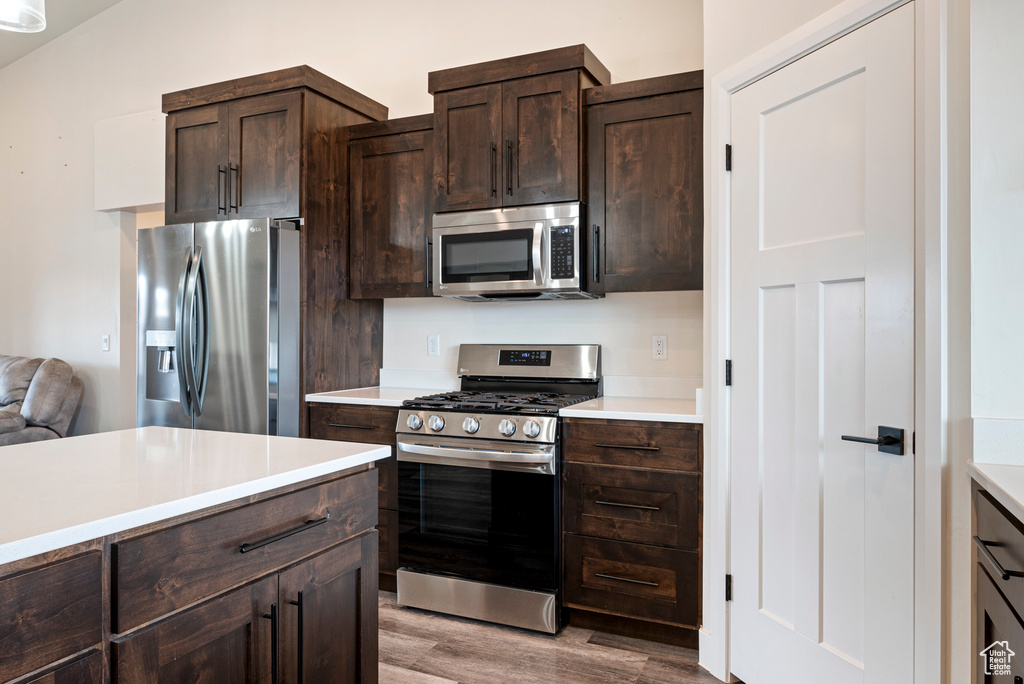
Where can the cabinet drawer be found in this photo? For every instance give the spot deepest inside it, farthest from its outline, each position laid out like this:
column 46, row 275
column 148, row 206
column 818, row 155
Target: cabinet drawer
column 646, row 506
column 996, row 622
column 352, row 423
column 49, row 613
column 670, row 446
column 166, row 570
column 632, row 580
column 367, row 425
column 1005, row 541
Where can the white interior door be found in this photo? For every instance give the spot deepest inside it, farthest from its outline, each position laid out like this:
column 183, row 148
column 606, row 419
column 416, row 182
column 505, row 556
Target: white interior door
column 822, row 316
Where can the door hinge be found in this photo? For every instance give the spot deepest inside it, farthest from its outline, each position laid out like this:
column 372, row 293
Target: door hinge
column 728, row 587
column 728, row 372
column 728, row 157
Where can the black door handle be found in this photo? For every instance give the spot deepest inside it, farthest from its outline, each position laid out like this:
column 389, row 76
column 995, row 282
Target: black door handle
column 889, row 441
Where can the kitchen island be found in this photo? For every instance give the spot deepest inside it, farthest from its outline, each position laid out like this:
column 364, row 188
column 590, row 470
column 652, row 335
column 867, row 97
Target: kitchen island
column 167, row 555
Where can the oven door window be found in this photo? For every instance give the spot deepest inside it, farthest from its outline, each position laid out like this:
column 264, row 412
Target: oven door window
column 490, row 526
column 500, row 256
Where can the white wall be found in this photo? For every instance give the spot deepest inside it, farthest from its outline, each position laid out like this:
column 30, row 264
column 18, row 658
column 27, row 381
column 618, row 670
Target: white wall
column 997, row 208
column 62, row 262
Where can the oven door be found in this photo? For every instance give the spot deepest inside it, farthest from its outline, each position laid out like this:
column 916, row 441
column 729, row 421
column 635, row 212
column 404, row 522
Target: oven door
column 485, row 519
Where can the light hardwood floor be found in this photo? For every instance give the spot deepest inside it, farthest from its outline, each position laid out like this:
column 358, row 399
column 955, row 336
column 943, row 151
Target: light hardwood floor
column 420, row 647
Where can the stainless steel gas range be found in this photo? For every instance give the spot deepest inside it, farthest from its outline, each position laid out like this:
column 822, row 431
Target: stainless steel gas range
column 479, row 495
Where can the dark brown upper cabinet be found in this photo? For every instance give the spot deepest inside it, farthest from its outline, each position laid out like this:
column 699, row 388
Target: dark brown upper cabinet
column 236, row 159
column 508, row 132
column 275, row 145
column 390, row 165
column 645, row 158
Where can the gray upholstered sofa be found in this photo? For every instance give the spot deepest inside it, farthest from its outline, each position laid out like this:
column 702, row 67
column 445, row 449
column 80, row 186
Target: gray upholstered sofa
column 38, row 398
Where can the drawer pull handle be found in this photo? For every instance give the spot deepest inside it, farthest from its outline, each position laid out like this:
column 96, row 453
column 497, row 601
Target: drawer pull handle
column 300, row 620
column 353, row 427
column 245, row 548
column 983, row 547
column 628, row 446
column 272, row 616
column 626, row 579
column 625, row 505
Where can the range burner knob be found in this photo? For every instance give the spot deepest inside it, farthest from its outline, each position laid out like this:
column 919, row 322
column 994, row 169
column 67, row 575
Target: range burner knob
column 531, row 429
column 435, row 423
column 471, row 425
column 414, row 421
column 507, row 427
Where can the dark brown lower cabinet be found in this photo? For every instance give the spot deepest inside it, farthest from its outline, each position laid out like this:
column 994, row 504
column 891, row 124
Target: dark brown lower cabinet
column 85, row 670
column 369, row 424
column 632, row 527
column 999, row 629
column 229, row 640
column 329, row 629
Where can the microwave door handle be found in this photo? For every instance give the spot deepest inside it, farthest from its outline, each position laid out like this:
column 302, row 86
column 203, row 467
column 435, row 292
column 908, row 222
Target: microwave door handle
column 540, row 252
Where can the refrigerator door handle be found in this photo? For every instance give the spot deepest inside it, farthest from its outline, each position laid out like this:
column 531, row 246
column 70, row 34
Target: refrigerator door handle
column 189, row 338
column 181, row 341
column 202, row 320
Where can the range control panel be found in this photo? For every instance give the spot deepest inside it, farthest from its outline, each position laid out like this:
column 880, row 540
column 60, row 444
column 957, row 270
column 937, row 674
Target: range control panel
column 563, row 252
column 535, row 357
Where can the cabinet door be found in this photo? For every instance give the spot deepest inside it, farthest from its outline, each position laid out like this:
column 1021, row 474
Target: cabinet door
column 540, row 123
column 646, row 194
column 391, row 204
column 467, row 124
column 329, row 624
column 264, row 137
column 229, row 640
column 197, row 165
column 998, row 629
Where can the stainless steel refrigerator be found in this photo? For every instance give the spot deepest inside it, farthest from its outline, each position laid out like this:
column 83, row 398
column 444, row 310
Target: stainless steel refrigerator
column 218, row 326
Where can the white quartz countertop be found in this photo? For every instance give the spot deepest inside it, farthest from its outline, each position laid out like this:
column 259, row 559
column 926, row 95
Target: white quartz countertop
column 1004, row 482
column 67, row 491
column 636, row 408
column 375, row 396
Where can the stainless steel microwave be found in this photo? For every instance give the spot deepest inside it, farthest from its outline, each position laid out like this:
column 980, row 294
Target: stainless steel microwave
column 533, row 252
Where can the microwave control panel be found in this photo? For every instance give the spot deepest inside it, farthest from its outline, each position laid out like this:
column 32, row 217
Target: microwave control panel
column 563, row 248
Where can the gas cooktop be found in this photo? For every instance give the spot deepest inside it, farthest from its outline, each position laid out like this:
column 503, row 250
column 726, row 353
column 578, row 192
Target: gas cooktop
column 497, row 402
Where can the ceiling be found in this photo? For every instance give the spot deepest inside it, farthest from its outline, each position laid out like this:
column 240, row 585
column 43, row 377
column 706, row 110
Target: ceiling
column 61, row 17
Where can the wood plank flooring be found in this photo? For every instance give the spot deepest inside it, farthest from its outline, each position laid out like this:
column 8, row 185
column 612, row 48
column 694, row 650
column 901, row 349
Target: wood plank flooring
column 420, row 647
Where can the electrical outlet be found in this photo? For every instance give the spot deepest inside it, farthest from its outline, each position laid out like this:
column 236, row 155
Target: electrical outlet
column 658, row 347
column 433, row 345
column 105, row 343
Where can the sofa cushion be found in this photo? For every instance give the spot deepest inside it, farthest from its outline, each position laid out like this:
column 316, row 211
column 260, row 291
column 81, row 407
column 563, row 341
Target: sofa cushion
column 15, row 377
column 46, row 395
column 11, row 419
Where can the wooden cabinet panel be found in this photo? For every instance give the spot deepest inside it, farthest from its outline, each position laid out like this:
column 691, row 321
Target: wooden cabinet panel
column 166, row 570
column 632, row 580
column 467, row 124
column 264, row 142
column 197, row 165
column 996, row 621
column 633, row 505
column 1004, row 537
column 50, row 613
column 645, row 180
column 86, row 670
column 228, row 640
column 672, row 446
column 392, row 203
column 329, row 624
column 387, row 541
column 541, row 121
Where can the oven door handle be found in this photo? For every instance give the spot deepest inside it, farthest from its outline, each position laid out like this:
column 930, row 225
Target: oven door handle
column 541, row 462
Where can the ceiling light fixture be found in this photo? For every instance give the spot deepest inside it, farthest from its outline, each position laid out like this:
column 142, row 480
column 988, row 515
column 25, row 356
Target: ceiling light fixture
column 22, row 16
